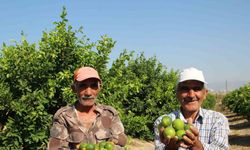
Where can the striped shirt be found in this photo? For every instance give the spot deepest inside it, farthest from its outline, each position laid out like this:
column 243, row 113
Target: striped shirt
column 213, row 129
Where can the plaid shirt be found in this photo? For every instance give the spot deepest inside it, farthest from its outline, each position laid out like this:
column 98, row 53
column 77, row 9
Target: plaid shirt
column 213, row 129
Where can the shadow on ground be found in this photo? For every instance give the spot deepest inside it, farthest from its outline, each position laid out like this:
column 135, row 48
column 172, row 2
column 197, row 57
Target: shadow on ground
column 239, row 140
column 240, row 126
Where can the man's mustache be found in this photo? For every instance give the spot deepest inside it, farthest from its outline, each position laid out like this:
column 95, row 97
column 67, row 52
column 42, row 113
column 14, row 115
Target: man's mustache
column 189, row 99
column 87, row 97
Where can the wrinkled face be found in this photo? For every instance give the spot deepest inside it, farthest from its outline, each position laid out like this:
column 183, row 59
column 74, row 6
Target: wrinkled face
column 191, row 95
column 87, row 91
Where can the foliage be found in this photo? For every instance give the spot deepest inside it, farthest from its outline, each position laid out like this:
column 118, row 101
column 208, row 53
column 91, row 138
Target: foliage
column 209, row 102
column 144, row 90
column 239, row 100
column 35, row 81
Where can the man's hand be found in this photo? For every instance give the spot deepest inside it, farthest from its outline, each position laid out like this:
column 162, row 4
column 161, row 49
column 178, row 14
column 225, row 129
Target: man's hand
column 170, row 143
column 191, row 139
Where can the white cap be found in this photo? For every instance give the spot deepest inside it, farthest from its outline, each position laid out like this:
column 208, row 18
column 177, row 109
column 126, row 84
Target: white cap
column 191, row 74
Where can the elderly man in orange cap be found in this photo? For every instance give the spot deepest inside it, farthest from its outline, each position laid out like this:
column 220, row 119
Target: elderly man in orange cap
column 86, row 121
column 209, row 129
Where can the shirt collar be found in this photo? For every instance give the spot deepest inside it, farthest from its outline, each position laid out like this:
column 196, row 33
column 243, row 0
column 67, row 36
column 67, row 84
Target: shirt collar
column 199, row 118
column 98, row 108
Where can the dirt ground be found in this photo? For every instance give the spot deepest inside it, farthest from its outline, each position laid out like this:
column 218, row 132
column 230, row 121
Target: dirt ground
column 136, row 144
column 239, row 136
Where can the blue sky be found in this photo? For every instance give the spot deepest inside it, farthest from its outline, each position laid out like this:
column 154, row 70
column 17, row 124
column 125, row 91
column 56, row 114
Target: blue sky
column 212, row 35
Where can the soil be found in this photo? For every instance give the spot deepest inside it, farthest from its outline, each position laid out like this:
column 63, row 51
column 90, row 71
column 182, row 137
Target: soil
column 136, row 144
column 239, row 136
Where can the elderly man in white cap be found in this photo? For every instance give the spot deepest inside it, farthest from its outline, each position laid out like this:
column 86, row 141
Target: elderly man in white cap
column 86, row 121
column 209, row 129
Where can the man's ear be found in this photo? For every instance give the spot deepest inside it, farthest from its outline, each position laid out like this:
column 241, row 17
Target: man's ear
column 99, row 86
column 205, row 94
column 73, row 87
column 206, row 91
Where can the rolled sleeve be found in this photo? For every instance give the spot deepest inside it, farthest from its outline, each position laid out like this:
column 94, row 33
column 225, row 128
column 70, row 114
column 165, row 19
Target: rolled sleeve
column 118, row 131
column 58, row 134
column 158, row 144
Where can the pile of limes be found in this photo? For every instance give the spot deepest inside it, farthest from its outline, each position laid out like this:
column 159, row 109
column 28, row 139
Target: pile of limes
column 99, row 146
column 173, row 128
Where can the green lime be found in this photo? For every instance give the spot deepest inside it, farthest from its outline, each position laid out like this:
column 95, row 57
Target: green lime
column 90, row 147
column 102, row 144
column 82, row 145
column 178, row 124
column 97, row 146
column 166, row 121
column 180, row 134
column 169, row 132
column 187, row 126
column 109, row 146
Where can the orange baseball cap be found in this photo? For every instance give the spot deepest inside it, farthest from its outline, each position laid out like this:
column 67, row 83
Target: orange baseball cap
column 84, row 73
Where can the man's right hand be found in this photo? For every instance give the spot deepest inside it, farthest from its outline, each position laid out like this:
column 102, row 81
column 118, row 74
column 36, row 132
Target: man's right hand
column 170, row 143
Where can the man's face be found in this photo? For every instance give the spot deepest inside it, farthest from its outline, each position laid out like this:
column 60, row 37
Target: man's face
column 191, row 95
column 87, row 91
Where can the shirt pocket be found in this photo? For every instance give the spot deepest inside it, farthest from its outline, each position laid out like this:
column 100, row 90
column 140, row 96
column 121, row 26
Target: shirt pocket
column 103, row 135
column 58, row 131
column 75, row 135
